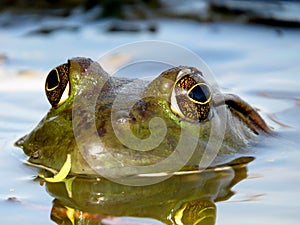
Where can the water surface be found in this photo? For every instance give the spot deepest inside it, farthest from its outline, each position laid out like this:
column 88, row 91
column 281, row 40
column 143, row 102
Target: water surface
column 261, row 64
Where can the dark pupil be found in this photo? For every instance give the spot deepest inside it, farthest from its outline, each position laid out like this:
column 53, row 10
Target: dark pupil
column 200, row 93
column 52, row 80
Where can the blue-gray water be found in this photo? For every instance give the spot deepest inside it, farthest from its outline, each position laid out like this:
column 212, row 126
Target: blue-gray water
column 259, row 63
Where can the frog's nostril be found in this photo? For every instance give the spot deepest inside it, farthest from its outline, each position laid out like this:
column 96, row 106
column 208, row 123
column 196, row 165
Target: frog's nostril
column 20, row 143
column 35, row 154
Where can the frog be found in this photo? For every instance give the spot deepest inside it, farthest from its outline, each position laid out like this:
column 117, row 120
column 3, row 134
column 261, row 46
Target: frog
column 92, row 110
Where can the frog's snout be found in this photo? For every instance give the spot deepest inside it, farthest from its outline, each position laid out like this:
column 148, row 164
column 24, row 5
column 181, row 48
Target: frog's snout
column 20, row 143
column 28, row 149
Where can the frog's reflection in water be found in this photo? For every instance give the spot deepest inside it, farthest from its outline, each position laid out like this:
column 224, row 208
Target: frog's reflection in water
column 182, row 199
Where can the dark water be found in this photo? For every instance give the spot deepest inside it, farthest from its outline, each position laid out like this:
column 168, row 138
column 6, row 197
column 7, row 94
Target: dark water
column 259, row 63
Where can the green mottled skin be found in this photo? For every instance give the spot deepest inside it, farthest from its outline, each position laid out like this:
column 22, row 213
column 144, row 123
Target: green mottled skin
column 53, row 138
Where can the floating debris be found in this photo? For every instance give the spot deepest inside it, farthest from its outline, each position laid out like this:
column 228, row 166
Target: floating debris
column 53, row 29
column 131, row 27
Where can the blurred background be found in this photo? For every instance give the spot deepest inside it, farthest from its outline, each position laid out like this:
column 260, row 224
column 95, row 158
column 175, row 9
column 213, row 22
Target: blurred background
column 98, row 25
column 253, row 48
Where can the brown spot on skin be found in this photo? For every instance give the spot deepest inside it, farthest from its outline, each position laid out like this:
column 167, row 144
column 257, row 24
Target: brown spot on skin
column 101, row 131
column 143, row 109
column 140, row 110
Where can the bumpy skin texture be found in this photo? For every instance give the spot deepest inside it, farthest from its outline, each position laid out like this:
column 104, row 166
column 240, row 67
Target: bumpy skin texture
column 54, row 137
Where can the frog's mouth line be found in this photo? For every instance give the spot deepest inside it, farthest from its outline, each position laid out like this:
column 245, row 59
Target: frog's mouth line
column 239, row 162
column 53, row 171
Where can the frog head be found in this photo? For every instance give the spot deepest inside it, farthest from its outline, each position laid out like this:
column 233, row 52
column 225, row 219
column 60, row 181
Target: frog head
column 181, row 97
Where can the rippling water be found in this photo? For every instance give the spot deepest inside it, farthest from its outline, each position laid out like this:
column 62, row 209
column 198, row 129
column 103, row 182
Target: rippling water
column 261, row 64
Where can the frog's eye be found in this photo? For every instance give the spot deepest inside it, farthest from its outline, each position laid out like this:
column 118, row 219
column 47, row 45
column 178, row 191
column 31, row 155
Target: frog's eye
column 199, row 93
column 191, row 98
column 57, row 85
